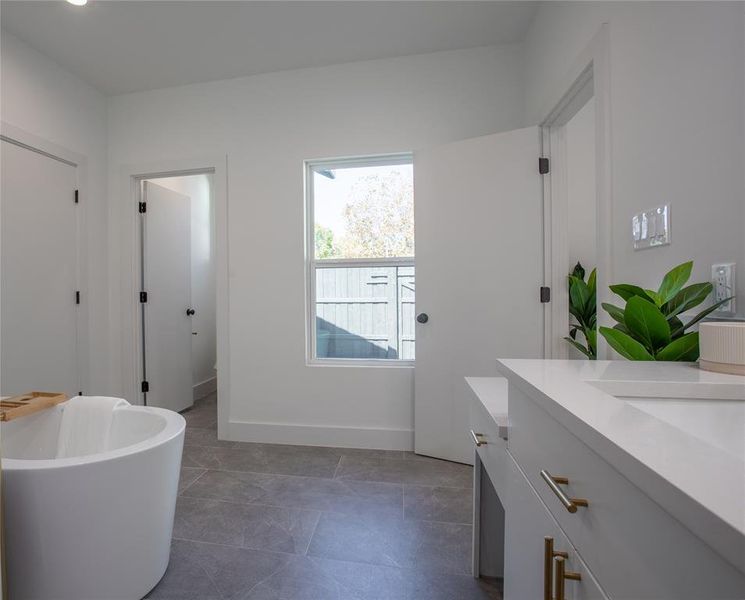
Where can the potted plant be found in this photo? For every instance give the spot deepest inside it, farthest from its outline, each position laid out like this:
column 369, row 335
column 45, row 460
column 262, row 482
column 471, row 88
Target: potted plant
column 583, row 307
column 650, row 327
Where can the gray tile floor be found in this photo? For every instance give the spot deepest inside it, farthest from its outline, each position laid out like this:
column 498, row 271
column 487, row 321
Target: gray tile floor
column 275, row 522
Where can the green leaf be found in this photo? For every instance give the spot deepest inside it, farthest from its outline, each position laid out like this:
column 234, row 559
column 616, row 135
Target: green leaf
column 615, row 312
column 627, row 291
column 687, row 298
column 674, row 281
column 592, row 281
column 579, row 271
column 683, row 349
column 579, row 347
column 591, row 335
column 625, row 345
column 676, row 327
column 622, row 327
column 591, row 308
column 654, row 296
column 646, row 323
column 707, row 312
column 579, row 294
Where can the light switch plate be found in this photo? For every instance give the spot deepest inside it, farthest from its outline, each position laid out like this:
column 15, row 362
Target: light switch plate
column 651, row 228
column 723, row 280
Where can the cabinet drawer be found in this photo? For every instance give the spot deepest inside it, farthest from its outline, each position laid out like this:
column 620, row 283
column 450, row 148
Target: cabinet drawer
column 634, row 548
column 492, row 449
column 528, row 524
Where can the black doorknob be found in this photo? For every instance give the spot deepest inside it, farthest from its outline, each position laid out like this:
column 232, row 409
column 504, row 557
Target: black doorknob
column 422, row 318
column 190, row 312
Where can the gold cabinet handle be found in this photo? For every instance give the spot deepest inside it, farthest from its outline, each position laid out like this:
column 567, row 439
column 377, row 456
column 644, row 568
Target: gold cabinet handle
column 477, row 438
column 562, row 575
column 570, row 504
column 548, row 566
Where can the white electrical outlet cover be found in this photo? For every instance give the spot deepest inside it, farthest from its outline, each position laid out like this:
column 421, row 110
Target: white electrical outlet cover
column 723, row 280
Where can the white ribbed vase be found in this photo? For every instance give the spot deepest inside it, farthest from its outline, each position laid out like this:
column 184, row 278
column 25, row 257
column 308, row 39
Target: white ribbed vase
column 722, row 347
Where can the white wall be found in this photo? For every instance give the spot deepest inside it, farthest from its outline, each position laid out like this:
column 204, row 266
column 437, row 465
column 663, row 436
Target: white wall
column 267, row 125
column 581, row 200
column 41, row 98
column 677, row 130
column 203, row 272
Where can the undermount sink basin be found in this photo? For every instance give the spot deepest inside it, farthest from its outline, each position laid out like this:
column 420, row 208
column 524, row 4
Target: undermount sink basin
column 720, row 423
column 711, row 412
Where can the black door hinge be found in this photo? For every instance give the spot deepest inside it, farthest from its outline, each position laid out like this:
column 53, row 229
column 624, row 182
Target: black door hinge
column 145, row 387
column 545, row 294
column 77, row 297
column 543, row 165
column 77, row 196
column 143, row 207
column 143, row 297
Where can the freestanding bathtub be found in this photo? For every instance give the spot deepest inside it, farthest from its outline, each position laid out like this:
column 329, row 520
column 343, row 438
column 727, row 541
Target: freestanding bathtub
column 94, row 527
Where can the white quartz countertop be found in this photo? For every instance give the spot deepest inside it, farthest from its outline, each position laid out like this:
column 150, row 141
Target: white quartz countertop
column 675, row 431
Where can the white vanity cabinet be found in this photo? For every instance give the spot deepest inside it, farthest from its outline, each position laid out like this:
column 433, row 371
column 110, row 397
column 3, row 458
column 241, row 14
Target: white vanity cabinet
column 534, row 547
column 634, row 547
column 619, row 534
column 515, row 536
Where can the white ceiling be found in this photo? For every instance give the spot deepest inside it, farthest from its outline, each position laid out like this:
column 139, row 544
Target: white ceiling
column 128, row 46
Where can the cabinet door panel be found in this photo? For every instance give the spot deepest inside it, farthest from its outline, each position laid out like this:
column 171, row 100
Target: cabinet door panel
column 527, row 524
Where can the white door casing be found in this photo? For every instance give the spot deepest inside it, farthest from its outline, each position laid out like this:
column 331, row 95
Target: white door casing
column 166, row 240
column 479, row 267
column 40, row 273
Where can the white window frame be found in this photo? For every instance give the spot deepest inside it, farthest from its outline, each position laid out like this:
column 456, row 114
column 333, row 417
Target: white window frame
column 312, row 263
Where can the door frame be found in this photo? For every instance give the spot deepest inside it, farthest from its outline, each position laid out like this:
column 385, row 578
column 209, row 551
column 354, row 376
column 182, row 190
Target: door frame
column 590, row 77
column 20, row 137
column 131, row 344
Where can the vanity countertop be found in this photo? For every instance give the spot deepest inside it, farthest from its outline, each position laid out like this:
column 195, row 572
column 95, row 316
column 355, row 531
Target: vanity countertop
column 675, row 431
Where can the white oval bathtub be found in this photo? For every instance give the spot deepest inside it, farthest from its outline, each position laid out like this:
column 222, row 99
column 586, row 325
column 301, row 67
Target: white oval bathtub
column 94, row 527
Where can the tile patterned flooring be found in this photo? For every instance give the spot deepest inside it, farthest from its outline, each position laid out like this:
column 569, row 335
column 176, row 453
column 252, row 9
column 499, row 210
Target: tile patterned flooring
column 275, row 522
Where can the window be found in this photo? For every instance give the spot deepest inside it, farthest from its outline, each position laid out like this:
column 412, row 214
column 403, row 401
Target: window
column 361, row 258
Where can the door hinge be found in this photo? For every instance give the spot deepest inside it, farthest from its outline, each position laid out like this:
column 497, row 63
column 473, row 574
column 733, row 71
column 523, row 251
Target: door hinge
column 77, row 297
column 545, row 294
column 77, row 196
column 143, row 297
column 145, row 387
column 143, row 207
column 543, row 165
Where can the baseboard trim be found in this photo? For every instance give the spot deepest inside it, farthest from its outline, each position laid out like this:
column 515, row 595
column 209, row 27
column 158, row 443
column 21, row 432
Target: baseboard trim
column 315, row 435
column 204, row 388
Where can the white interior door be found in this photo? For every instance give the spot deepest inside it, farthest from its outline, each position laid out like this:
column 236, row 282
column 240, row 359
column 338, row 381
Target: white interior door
column 166, row 238
column 38, row 310
column 479, row 266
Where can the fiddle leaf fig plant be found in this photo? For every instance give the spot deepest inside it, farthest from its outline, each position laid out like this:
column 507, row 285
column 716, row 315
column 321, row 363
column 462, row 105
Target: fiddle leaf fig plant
column 649, row 326
column 583, row 307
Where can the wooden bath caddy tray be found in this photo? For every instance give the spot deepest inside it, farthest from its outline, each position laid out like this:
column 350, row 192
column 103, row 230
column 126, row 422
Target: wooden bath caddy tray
column 28, row 403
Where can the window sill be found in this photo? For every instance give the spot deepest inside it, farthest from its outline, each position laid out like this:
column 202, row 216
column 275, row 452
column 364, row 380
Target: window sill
column 380, row 363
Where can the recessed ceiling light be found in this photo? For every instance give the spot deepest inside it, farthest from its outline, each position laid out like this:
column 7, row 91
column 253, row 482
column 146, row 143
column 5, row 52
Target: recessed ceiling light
column 78, row 2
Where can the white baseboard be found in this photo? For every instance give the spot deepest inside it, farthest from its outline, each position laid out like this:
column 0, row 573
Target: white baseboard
column 315, row 435
column 205, row 388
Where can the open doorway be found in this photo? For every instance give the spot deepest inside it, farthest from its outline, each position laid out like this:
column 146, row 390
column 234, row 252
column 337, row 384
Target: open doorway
column 575, row 150
column 178, row 278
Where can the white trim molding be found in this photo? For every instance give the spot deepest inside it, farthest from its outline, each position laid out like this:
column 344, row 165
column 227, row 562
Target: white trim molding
column 312, row 263
column 590, row 77
column 204, row 388
column 320, row 435
column 126, row 210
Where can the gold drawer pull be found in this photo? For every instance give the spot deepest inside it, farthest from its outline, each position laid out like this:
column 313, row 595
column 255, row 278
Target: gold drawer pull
column 562, row 575
column 477, row 438
column 570, row 504
column 548, row 566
